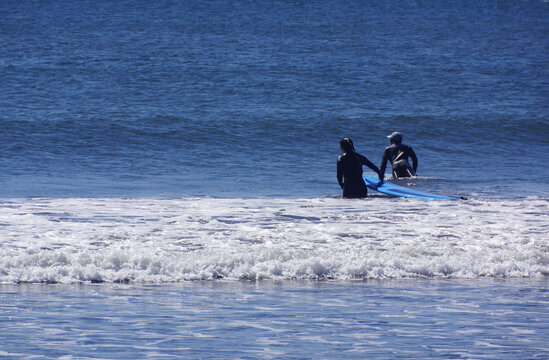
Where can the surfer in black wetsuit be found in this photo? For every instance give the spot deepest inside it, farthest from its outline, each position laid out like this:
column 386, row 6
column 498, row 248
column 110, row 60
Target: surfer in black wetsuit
column 398, row 155
column 349, row 170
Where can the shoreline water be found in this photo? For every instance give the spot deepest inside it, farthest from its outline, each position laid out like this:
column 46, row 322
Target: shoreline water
column 378, row 319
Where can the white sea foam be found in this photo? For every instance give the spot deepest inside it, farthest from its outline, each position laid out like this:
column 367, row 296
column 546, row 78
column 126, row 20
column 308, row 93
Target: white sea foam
column 148, row 240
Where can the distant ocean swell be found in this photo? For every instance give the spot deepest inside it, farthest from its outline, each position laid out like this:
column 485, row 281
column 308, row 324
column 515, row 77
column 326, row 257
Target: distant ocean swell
column 143, row 240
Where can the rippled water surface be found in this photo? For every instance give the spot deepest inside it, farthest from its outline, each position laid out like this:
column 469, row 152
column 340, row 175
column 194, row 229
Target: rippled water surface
column 411, row 319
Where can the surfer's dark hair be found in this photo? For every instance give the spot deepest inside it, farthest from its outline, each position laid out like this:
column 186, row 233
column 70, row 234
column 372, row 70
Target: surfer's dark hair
column 347, row 145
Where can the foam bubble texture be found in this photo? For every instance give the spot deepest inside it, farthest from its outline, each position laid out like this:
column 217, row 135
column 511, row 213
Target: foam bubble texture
column 148, row 240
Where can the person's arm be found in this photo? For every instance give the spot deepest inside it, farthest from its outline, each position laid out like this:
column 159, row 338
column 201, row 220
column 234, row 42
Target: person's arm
column 383, row 165
column 340, row 172
column 414, row 160
column 364, row 160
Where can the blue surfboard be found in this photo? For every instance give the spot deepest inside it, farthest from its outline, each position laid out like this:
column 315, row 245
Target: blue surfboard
column 401, row 191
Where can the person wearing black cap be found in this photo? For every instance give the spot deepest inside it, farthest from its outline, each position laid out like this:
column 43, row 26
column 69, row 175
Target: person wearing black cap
column 349, row 170
column 398, row 155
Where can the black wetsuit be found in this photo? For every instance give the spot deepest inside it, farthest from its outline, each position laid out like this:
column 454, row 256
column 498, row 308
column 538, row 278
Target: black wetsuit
column 349, row 174
column 398, row 155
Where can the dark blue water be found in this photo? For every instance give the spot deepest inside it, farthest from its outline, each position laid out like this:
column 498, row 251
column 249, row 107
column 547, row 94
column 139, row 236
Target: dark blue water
column 250, row 99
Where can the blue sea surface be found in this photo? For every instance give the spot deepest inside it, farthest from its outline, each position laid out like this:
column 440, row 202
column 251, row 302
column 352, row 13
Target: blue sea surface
column 250, row 99
column 168, row 179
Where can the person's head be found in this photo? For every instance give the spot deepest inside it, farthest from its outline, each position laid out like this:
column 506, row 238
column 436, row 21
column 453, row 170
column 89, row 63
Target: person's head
column 347, row 145
column 395, row 138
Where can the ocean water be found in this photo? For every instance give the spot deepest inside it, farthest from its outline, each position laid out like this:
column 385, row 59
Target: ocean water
column 400, row 319
column 242, row 99
column 168, row 189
